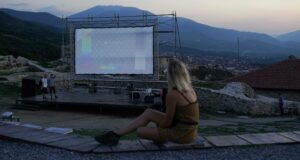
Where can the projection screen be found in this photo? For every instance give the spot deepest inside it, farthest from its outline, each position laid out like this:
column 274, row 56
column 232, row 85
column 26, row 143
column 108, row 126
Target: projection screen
column 114, row 50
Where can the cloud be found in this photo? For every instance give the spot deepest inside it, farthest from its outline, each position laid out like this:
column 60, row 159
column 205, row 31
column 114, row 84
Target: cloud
column 54, row 10
column 18, row 4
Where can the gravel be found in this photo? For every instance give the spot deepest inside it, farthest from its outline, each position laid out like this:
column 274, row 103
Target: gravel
column 12, row 150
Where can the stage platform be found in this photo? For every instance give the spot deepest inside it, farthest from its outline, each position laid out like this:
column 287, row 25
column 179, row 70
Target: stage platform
column 80, row 97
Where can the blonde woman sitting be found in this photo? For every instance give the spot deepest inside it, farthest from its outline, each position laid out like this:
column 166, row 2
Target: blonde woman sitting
column 180, row 122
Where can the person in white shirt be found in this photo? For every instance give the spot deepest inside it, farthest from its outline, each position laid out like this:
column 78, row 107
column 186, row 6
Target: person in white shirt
column 44, row 86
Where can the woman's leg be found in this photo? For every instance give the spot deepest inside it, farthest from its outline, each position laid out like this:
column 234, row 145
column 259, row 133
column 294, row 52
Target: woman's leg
column 142, row 120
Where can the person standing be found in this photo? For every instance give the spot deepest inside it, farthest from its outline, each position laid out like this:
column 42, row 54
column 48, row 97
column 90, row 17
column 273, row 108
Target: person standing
column 51, row 83
column 281, row 103
column 44, row 86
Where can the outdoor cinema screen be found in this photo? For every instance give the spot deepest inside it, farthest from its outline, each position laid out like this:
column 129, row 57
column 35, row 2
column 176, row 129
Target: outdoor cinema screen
column 114, row 50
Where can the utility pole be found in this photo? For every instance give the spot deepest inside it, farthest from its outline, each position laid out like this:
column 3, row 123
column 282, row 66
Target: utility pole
column 238, row 49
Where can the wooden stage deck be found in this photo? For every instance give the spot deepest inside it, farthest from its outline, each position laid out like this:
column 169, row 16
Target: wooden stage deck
column 81, row 97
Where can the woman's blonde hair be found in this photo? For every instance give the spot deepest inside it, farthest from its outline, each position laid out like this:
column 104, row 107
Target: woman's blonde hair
column 178, row 76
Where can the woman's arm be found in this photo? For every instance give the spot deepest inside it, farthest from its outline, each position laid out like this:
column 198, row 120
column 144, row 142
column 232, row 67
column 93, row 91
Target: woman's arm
column 171, row 101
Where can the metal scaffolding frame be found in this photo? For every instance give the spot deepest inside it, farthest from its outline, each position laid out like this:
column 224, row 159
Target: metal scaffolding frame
column 165, row 34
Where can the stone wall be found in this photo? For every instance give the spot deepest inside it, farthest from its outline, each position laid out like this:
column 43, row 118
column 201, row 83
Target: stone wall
column 288, row 95
column 272, row 103
column 216, row 100
column 9, row 62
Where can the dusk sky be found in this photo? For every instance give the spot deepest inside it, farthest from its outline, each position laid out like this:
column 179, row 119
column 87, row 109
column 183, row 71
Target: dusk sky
column 273, row 17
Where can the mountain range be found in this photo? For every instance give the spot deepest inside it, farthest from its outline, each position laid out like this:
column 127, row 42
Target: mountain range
column 28, row 39
column 194, row 35
column 290, row 37
column 36, row 17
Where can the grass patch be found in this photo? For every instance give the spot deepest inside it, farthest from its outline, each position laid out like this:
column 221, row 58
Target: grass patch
column 87, row 132
column 215, row 130
column 45, row 64
column 3, row 79
column 130, row 136
column 229, row 129
column 32, row 69
column 241, row 129
column 9, row 90
column 212, row 114
column 5, row 72
column 248, row 128
column 285, row 128
column 211, row 85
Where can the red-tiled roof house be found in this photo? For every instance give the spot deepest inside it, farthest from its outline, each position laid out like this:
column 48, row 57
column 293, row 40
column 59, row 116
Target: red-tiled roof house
column 282, row 77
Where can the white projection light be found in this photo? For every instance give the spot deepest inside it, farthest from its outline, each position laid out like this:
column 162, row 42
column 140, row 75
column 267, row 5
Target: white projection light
column 114, row 50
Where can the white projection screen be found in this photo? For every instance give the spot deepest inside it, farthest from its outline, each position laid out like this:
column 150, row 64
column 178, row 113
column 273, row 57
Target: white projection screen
column 114, row 50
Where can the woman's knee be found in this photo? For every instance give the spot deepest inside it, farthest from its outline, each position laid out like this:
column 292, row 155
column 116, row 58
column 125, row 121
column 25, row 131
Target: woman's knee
column 140, row 132
column 148, row 111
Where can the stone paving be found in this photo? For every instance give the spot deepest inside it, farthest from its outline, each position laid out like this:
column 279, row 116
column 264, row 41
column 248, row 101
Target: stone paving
column 89, row 145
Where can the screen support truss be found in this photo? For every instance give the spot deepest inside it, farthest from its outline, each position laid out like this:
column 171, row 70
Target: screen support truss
column 166, row 39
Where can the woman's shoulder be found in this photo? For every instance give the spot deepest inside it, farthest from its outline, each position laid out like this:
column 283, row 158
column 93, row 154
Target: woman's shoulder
column 176, row 93
column 173, row 93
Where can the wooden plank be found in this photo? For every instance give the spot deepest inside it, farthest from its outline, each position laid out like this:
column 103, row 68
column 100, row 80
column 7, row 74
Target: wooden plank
column 24, row 134
column 102, row 149
column 48, row 139
column 85, row 147
column 206, row 144
column 44, row 135
column 223, row 141
column 6, row 128
column 33, row 126
column 128, row 146
column 149, row 145
column 69, row 141
column 81, row 141
column 256, row 138
column 265, row 138
column 291, row 135
column 9, row 129
column 199, row 142
column 277, row 138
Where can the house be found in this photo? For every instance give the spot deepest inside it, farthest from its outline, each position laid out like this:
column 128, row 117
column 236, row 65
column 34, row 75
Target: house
column 282, row 77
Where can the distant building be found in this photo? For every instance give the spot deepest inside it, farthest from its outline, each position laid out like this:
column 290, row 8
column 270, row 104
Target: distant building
column 282, row 77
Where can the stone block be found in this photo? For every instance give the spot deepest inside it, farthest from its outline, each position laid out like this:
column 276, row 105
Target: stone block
column 199, row 142
column 128, row 146
column 265, row 138
column 229, row 140
column 291, row 135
